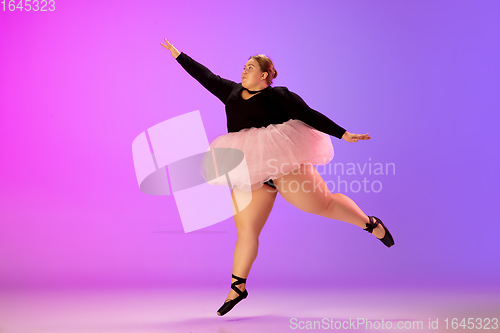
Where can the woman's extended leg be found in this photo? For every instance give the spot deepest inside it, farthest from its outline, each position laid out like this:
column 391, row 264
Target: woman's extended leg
column 305, row 188
column 249, row 223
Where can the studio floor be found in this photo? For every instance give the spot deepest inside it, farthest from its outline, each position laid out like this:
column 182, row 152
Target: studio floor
column 265, row 310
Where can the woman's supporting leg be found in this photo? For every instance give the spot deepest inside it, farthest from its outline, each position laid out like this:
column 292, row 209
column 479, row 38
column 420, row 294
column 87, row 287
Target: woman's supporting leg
column 305, row 188
column 249, row 223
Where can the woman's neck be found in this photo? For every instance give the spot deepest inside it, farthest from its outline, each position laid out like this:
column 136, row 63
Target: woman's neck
column 255, row 90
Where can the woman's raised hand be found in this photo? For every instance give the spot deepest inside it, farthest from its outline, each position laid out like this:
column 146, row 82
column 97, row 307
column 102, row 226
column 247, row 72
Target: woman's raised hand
column 173, row 50
column 351, row 137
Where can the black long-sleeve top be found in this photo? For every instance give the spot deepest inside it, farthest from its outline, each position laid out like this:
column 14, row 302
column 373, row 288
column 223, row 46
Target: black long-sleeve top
column 274, row 105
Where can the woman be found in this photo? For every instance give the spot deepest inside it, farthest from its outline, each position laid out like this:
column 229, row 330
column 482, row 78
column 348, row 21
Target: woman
column 274, row 124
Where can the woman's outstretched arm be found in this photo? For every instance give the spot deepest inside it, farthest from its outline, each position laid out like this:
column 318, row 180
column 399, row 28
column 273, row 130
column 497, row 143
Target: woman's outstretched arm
column 217, row 85
column 298, row 109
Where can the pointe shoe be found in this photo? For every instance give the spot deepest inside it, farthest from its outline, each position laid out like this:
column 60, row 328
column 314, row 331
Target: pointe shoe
column 387, row 239
column 228, row 305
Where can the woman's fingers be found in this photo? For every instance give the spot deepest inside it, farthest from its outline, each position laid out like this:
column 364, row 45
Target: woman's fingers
column 168, row 46
column 363, row 136
column 357, row 137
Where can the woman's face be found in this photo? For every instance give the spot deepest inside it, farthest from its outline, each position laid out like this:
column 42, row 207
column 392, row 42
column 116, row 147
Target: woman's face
column 252, row 76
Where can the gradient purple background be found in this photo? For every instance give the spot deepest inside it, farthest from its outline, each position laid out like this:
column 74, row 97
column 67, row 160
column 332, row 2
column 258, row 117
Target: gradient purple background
column 79, row 84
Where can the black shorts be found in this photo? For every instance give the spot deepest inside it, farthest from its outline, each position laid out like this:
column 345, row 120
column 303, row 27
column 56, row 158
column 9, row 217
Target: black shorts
column 270, row 183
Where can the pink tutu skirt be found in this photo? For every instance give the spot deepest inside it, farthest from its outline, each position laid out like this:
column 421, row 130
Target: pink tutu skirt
column 252, row 156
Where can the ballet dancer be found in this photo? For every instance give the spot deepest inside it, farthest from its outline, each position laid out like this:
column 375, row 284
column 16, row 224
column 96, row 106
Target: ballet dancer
column 282, row 139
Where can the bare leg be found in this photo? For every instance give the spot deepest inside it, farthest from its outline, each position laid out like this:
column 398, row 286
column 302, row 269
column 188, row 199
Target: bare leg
column 249, row 223
column 306, row 189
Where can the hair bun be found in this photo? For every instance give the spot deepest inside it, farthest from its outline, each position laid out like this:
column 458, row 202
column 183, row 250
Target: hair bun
column 275, row 73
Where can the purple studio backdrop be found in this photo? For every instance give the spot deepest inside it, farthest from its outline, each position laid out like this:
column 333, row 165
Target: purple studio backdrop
column 79, row 84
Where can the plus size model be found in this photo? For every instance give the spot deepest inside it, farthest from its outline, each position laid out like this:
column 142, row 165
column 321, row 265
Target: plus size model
column 282, row 139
